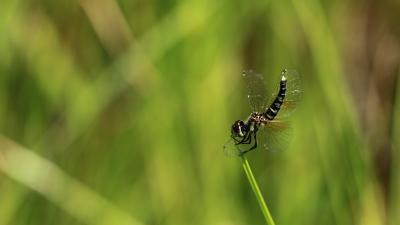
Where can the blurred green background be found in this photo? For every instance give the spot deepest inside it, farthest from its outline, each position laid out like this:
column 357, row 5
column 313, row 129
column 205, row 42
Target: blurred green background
column 115, row 112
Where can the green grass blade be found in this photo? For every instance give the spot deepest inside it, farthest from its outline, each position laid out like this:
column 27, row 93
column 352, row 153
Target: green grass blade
column 256, row 190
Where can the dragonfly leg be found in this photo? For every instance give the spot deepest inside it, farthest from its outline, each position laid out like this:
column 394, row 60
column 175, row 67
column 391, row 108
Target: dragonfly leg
column 236, row 140
column 253, row 147
column 255, row 142
column 246, row 139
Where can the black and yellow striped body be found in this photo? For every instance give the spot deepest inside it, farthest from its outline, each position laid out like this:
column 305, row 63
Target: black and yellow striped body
column 274, row 108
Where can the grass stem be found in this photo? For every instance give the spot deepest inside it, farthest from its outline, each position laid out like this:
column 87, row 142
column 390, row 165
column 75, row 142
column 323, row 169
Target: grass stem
column 256, row 190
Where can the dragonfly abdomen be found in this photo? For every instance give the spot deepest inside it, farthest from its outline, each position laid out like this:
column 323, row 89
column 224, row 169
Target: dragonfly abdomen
column 274, row 108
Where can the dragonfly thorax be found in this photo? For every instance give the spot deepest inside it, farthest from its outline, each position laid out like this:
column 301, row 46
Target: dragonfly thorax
column 241, row 128
column 256, row 118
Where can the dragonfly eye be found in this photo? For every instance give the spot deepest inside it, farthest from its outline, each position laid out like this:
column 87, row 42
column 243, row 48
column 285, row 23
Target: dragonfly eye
column 238, row 129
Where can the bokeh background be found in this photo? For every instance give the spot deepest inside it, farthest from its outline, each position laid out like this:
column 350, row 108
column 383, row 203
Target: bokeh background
column 115, row 112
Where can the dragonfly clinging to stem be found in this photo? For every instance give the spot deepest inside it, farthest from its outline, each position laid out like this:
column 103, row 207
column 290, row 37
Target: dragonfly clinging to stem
column 267, row 125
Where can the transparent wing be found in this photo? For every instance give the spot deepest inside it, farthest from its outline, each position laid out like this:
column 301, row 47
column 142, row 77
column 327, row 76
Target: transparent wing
column 294, row 93
column 256, row 90
column 275, row 135
column 230, row 149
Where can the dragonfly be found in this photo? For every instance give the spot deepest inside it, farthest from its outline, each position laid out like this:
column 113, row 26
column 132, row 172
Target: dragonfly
column 267, row 126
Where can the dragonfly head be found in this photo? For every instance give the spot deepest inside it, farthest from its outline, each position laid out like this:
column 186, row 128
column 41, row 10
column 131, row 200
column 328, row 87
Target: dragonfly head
column 239, row 129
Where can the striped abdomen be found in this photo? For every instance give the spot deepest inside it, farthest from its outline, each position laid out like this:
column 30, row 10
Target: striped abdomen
column 274, row 108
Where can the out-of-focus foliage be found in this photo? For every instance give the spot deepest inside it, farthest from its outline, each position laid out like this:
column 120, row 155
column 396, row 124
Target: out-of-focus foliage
column 115, row 112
